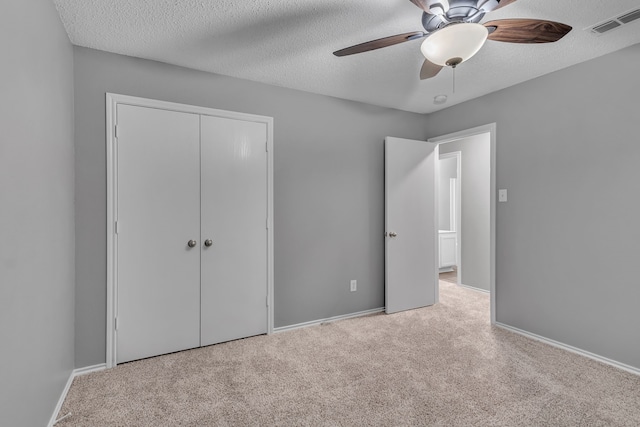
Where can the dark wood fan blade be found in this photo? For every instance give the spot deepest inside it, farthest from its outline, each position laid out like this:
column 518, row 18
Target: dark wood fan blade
column 526, row 30
column 377, row 44
column 429, row 69
column 504, row 3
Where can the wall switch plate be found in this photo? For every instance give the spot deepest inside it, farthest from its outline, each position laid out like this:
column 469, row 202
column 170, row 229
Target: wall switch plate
column 354, row 285
column 502, row 195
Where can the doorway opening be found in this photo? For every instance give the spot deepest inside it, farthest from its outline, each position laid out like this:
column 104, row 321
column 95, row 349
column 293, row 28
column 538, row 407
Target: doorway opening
column 465, row 209
column 449, row 191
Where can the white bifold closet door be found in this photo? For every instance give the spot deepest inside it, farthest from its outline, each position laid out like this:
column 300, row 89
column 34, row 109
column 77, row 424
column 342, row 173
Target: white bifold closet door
column 158, row 213
column 234, row 218
column 189, row 177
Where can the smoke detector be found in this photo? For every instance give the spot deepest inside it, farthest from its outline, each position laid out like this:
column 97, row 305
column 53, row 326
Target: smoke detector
column 439, row 99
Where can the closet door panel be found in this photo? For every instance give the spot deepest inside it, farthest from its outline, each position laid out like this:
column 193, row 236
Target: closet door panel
column 158, row 213
column 234, row 215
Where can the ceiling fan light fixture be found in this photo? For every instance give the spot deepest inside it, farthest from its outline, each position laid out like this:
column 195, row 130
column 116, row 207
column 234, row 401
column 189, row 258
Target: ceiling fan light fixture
column 454, row 44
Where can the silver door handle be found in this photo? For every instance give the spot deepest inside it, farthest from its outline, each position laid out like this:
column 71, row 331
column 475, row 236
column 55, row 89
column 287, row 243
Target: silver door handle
column 208, row 242
column 392, row 234
column 192, row 243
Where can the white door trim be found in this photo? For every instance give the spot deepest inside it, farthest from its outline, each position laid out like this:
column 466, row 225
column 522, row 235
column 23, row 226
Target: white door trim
column 112, row 100
column 457, row 224
column 491, row 129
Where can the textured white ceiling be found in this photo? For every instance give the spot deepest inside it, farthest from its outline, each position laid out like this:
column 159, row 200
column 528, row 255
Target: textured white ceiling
column 289, row 43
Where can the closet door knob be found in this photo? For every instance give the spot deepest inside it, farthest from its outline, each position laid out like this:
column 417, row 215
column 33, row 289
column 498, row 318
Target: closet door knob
column 392, row 234
column 208, row 242
column 192, row 243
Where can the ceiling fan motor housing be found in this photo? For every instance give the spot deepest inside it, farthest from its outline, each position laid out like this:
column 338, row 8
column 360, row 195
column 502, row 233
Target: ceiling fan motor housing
column 458, row 11
column 437, row 7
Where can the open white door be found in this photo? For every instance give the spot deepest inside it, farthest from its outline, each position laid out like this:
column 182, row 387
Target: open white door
column 410, row 242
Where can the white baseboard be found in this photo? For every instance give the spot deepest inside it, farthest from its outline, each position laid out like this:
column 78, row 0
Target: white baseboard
column 89, row 369
column 572, row 349
column 63, row 396
column 328, row 319
column 473, row 288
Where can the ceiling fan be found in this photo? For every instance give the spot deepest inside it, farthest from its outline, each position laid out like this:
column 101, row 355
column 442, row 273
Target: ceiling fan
column 453, row 32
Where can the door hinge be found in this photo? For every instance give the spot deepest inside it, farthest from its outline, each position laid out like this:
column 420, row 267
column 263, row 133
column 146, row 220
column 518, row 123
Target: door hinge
column 266, row 146
column 116, row 227
column 267, row 301
column 267, row 223
column 116, row 131
column 116, row 323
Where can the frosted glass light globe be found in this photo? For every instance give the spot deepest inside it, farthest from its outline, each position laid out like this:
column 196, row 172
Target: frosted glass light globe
column 454, row 43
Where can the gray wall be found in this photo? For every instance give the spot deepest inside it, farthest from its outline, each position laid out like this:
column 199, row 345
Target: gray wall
column 329, row 189
column 475, row 244
column 36, row 211
column 568, row 152
column 448, row 169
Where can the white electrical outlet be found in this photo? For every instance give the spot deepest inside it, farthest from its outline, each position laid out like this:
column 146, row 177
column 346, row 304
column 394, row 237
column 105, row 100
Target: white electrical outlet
column 502, row 195
column 354, row 285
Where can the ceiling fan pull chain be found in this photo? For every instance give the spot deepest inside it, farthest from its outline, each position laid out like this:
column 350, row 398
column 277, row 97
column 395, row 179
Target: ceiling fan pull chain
column 454, row 79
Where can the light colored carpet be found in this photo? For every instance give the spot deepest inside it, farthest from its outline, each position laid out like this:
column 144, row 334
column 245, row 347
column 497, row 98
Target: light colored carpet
column 450, row 276
column 442, row 365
